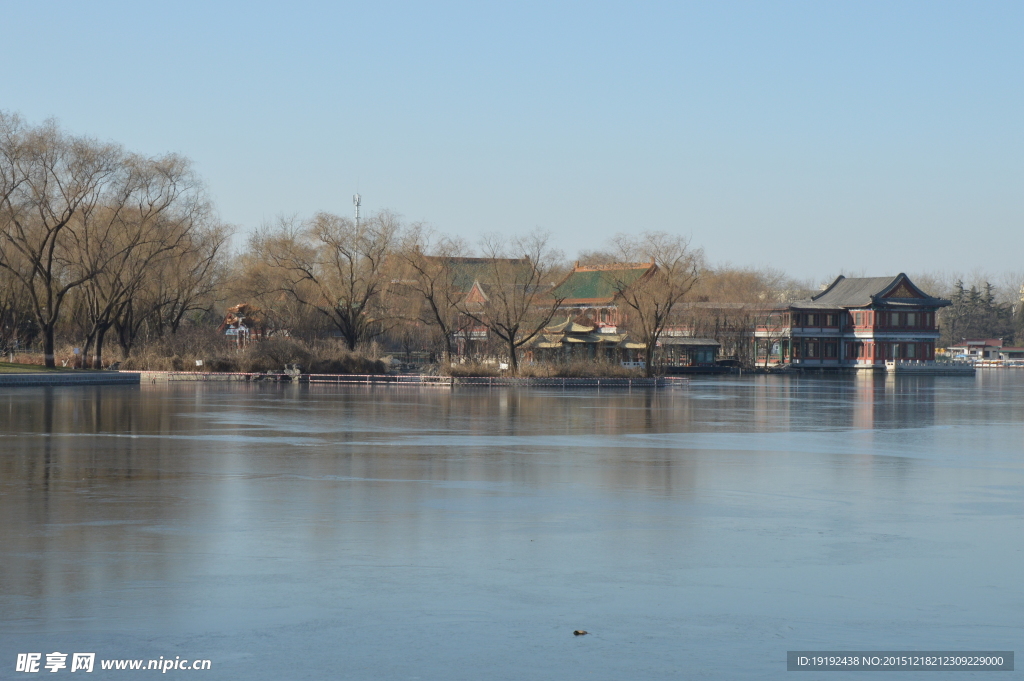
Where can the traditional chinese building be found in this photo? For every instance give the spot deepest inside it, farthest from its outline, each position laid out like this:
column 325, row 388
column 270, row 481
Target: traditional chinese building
column 580, row 339
column 853, row 323
column 244, row 324
column 469, row 280
column 593, row 292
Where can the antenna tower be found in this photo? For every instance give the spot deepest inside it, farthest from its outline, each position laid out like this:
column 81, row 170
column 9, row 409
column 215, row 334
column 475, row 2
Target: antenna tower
column 357, row 201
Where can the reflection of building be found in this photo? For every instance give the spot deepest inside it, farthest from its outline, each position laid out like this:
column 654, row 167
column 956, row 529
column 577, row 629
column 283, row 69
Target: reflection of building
column 855, row 323
column 882, row 402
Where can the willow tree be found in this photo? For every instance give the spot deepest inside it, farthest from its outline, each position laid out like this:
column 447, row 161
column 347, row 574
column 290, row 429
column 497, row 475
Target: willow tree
column 49, row 181
column 336, row 267
column 138, row 237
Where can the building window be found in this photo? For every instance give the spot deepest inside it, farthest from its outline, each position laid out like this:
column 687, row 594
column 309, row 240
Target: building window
column 858, row 318
column 812, row 320
column 911, row 350
column 830, row 320
column 911, row 319
column 830, row 351
column 812, row 349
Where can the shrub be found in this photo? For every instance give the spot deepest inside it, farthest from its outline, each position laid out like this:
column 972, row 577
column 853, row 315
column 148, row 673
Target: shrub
column 469, row 369
column 272, row 354
column 269, row 355
column 579, row 369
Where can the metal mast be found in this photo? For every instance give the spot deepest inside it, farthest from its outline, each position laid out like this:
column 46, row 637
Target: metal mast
column 357, row 201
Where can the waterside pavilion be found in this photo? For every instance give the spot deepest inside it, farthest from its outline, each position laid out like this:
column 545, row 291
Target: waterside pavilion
column 854, row 323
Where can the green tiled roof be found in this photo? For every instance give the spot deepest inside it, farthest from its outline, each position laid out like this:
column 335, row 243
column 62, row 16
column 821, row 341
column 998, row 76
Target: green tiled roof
column 467, row 270
column 599, row 284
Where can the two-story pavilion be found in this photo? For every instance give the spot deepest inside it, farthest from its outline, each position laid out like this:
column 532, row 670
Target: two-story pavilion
column 593, row 293
column 853, row 323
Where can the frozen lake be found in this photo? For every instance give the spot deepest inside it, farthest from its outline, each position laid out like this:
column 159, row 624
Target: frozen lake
column 289, row 532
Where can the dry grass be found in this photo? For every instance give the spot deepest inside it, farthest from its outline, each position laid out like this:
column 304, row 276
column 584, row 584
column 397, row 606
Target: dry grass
column 64, row 357
column 579, row 369
column 270, row 355
column 575, row 369
column 470, row 369
column 28, row 358
column 22, row 368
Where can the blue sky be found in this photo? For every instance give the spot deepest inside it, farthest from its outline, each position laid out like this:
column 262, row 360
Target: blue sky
column 814, row 137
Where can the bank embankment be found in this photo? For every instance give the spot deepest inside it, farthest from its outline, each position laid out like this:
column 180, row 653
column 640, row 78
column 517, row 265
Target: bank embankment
column 67, row 378
column 410, row 380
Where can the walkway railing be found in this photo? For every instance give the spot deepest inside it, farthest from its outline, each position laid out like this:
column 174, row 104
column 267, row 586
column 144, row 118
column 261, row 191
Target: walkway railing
column 928, row 366
column 999, row 363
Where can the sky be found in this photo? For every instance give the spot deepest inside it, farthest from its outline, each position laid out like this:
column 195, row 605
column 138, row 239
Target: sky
column 813, row 137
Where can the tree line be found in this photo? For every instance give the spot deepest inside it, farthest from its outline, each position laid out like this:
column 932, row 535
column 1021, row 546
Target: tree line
column 97, row 238
column 98, row 243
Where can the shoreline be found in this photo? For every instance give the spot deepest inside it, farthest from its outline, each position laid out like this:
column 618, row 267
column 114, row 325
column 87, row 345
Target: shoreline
column 407, row 380
column 67, row 379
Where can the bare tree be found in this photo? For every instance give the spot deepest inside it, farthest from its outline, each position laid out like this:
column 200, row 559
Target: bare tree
column 15, row 317
column 336, row 267
column 48, row 181
column 188, row 279
column 515, row 290
column 431, row 264
column 650, row 301
column 143, row 233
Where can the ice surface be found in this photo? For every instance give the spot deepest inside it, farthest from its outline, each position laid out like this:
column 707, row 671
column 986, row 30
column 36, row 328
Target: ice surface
column 289, row 532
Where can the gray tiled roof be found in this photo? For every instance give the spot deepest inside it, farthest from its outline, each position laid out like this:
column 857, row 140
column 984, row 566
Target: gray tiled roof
column 864, row 291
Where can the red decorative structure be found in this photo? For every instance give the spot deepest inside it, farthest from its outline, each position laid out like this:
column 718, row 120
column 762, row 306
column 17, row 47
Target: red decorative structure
column 861, row 323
